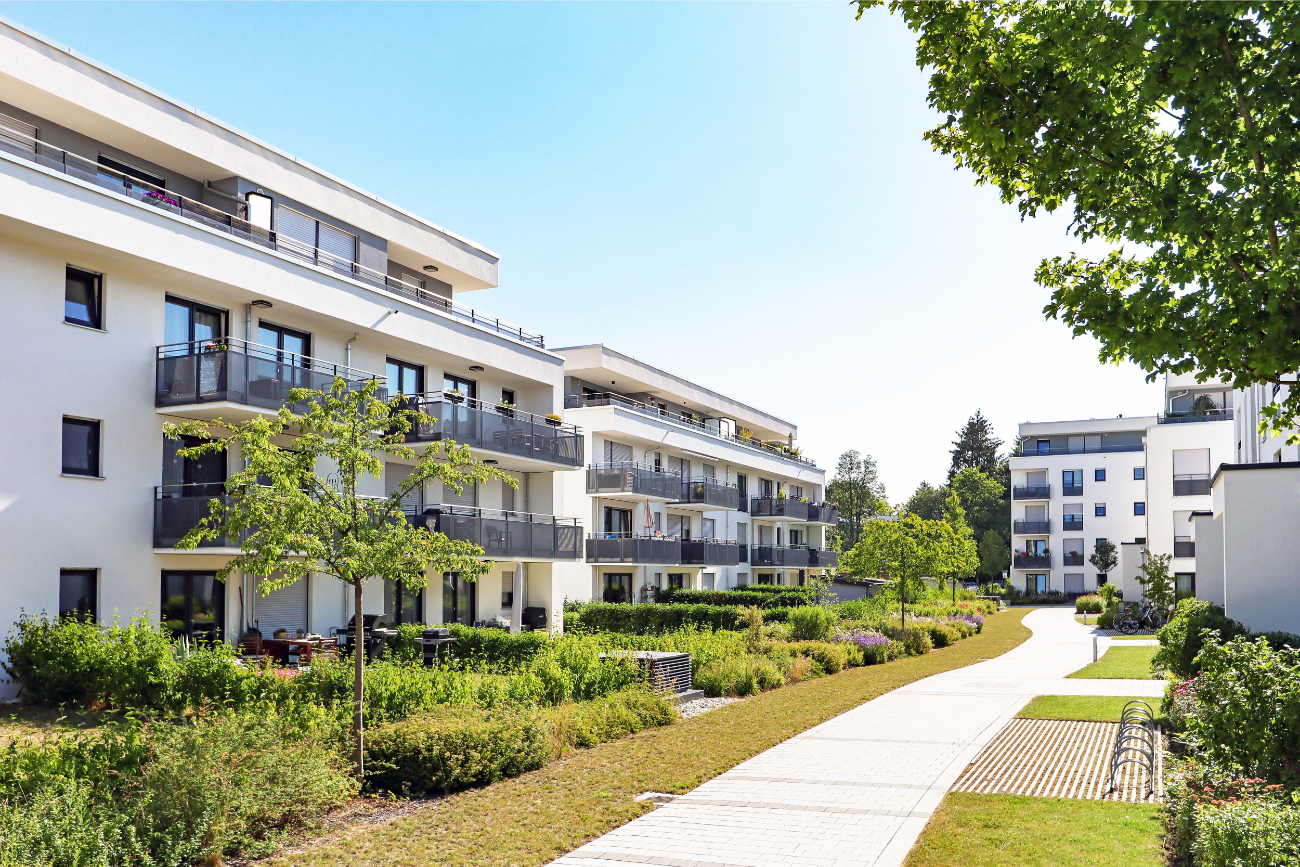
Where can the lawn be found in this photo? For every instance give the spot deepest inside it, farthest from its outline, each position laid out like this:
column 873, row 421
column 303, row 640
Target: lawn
column 1126, row 663
column 532, row 819
column 1092, row 708
column 970, row 830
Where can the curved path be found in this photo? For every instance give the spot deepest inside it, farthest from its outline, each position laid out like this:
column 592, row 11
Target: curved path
column 858, row 789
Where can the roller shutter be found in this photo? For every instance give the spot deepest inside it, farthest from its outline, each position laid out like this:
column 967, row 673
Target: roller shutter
column 394, row 476
column 617, row 452
column 16, row 142
column 299, row 227
column 283, row 609
column 336, row 242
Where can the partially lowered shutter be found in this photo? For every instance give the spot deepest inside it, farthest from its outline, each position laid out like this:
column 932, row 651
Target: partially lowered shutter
column 394, row 476
column 23, row 141
column 467, row 497
column 617, row 452
column 336, row 242
column 283, row 609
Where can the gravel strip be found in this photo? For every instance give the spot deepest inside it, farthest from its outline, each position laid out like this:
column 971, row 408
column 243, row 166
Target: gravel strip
column 703, row 705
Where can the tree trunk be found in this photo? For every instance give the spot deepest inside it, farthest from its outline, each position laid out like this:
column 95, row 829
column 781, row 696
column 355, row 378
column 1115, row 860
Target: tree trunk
column 359, row 683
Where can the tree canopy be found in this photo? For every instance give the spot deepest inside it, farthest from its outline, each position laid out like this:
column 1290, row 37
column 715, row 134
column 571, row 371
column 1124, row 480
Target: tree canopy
column 857, row 490
column 975, row 447
column 1168, row 130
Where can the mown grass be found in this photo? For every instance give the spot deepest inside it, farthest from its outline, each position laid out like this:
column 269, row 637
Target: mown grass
column 1090, row 708
column 532, row 819
column 1122, row 663
column 970, row 830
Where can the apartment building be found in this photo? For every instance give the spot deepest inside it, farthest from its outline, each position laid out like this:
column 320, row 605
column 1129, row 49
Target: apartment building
column 159, row 265
column 685, row 487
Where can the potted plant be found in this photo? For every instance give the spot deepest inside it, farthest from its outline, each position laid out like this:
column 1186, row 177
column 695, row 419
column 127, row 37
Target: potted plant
column 552, row 419
column 506, row 408
column 454, row 396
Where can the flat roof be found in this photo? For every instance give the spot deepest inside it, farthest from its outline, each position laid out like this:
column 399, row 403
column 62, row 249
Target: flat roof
column 1274, row 465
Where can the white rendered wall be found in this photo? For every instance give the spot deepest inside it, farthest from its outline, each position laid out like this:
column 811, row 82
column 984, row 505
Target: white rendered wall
column 1261, row 550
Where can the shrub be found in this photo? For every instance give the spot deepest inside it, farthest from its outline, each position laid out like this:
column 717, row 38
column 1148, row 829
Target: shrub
column 798, row 669
column 914, row 639
column 452, row 748
column 1259, row 833
column 1090, row 604
column 830, row 657
column 585, row 724
column 1182, row 638
column 875, row 648
column 744, row 675
column 811, row 623
column 941, row 634
column 779, row 596
column 648, row 619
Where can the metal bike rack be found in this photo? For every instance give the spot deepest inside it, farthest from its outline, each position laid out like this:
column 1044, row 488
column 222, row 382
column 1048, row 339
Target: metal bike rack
column 1135, row 743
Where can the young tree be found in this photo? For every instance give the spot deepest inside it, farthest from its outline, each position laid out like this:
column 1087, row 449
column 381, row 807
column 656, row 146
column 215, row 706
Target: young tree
column 857, row 489
column 975, row 447
column 904, row 550
column 927, row 502
column 1157, row 583
column 298, row 503
column 994, row 554
column 1105, row 557
column 961, row 556
column 1165, row 127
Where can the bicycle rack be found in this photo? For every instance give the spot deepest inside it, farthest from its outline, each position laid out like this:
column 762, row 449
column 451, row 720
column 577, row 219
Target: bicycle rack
column 1136, row 739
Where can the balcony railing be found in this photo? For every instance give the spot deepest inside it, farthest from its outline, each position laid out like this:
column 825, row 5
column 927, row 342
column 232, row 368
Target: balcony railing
column 627, row 548
column 1032, row 492
column 177, row 509
column 235, row 223
column 823, row 558
column 483, row 425
column 229, row 369
column 790, row 556
column 823, row 513
column 1027, row 452
column 627, row 477
column 710, row 552
column 1071, row 522
column 1031, row 528
column 504, row 534
column 1191, row 485
column 578, row 401
column 779, row 507
column 1184, row 549
column 1074, row 559
column 710, row 492
column 1032, row 561
column 1072, row 490
column 1220, row 414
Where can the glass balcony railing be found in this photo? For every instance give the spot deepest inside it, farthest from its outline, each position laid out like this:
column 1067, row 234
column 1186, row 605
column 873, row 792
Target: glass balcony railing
column 710, row 552
column 1071, row 522
column 628, row 548
column 823, row 513
column 710, row 492
column 627, row 477
column 1072, row 490
column 1031, row 528
column 229, row 369
column 504, row 534
column 1075, row 559
column 786, row 508
column 1215, row 414
column 1184, row 548
column 791, row 556
column 1028, row 450
column 1023, row 560
column 177, row 509
column 1032, row 492
column 1197, row 485
column 481, row 425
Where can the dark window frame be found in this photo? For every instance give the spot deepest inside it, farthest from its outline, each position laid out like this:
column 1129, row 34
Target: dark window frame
column 1099, row 510
column 1099, row 474
column 136, row 174
column 452, row 382
column 96, row 322
column 194, row 307
column 90, row 577
column 283, row 356
column 1139, row 507
column 1139, row 474
column 218, row 597
column 402, row 368
column 95, row 456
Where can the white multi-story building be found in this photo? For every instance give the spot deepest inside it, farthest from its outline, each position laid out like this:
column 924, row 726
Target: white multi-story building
column 686, row 487
column 159, row 265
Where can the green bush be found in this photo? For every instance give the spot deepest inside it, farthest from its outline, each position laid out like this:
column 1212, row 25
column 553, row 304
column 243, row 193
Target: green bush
column 1183, row 636
column 941, row 634
column 811, row 623
column 743, row 675
column 915, row 639
column 585, row 724
column 1256, row 833
column 451, row 748
column 1090, row 604
column 831, row 657
column 779, row 596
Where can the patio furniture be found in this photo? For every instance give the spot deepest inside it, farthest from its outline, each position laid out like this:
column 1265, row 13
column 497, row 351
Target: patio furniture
column 433, row 641
column 251, row 649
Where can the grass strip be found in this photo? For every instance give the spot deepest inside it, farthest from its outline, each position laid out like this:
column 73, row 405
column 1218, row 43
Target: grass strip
column 1121, row 663
column 535, row 818
column 970, row 830
column 1090, row 708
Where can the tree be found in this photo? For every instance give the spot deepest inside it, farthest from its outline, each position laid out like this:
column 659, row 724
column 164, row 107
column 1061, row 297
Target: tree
column 927, row 502
column 1166, row 127
column 994, row 553
column 857, row 490
column 1104, row 558
column 904, row 550
column 975, row 447
column 988, row 510
column 1157, row 584
column 961, row 556
column 299, row 507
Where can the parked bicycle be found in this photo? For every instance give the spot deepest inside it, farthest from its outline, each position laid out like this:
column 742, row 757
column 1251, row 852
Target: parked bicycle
column 1146, row 616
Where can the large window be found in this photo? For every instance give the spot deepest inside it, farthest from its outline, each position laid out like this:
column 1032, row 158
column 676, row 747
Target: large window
column 402, row 605
column 459, row 385
column 1072, row 483
column 189, row 321
column 77, row 593
column 117, row 168
column 83, row 298
column 292, row 346
column 618, row 587
column 459, row 599
column 80, row 447
column 677, row 580
column 1072, row 516
column 193, row 604
column 618, row 522
column 202, row 477
column 1184, row 584
column 404, row 378
column 312, row 233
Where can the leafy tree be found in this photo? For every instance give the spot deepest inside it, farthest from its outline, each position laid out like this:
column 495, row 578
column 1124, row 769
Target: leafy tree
column 989, row 512
column 975, row 447
column 904, row 550
column 856, row 488
column 994, row 553
column 927, row 502
column 1168, row 128
column 299, row 505
column 1157, row 583
column 1105, row 557
column 961, row 556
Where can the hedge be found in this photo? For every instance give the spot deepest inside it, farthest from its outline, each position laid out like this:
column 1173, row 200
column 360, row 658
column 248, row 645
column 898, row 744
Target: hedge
column 780, row 597
column 634, row 619
column 1258, row 833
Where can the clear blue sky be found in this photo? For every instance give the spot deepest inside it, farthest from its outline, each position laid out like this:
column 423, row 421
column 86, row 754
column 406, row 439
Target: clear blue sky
column 736, row 192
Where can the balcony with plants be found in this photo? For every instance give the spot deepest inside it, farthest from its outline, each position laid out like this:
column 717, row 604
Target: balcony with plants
column 780, row 508
column 1032, row 559
column 495, row 427
column 631, row 479
column 709, row 494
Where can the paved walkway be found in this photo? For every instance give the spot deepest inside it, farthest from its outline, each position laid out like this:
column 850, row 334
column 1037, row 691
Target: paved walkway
column 858, row 789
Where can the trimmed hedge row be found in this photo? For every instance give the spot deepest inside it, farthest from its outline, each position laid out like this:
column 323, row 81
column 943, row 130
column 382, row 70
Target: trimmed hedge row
column 781, row 597
column 633, row 619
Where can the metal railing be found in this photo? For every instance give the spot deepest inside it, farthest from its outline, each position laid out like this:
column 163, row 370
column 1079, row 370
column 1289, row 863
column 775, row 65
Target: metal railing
column 710, row 492
column 1192, row 485
column 823, row 558
column 230, row 369
column 629, row 477
column 1032, row 561
column 236, row 224
column 499, row 428
column 177, row 509
column 1031, row 528
column 629, row 548
column 1072, row 490
column 779, row 507
column 1071, row 522
column 791, row 556
column 1032, row 492
column 1070, row 559
column 578, row 401
column 1027, row 452
column 503, row 534
column 1184, row 549
column 823, row 513
column 1136, row 743
column 1220, row 414
column 710, row 552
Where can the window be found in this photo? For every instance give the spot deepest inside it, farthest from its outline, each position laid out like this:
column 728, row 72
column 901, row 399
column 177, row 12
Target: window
column 292, row 346
column 1072, row 516
column 1099, row 475
column 742, row 489
column 402, row 605
column 77, row 593
column 742, row 578
column 507, row 590
column 508, row 396
column 1191, row 472
column 117, row 168
column 193, row 604
column 315, row 235
column 191, row 322
column 1044, row 446
column 1072, row 483
column 765, row 487
column 1099, row 542
column 618, row 586
column 1139, row 473
column 1139, row 508
column 1184, row 584
column 1073, row 550
column 708, row 528
column 459, row 599
column 15, row 135
column 404, row 378
column 80, row 447
column 676, row 580
column 796, row 491
column 742, row 534
column 458, row 385
column 618, row 522
column 192, row 477
column 765, row 578
column 709, row 580
column 1099, row 510
column 83, row 298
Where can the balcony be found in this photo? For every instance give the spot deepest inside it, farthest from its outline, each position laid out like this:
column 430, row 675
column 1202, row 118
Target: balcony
column 177, row 509
column 709, row 494
column 627, row 548
column 1032, row 561
column 696, row 424
column 781, row 508
column 1072, row 559
column 1184, row 549
column 504, row 535
column 1191, row 485
column 1032, row 492
column 1217, row 414
column 1071, row 490
column 823, row 558
column 1031, row 528
column 1026, row 452
column 710, row 552
column 234, row 222
column 626, row 478
column 1071, row 522
column 823, row 513
column 791, row 556
column 230, row 370
column 495, row 428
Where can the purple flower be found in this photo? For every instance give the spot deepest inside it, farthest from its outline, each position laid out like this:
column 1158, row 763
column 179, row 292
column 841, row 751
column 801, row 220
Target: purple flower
column 863, row 638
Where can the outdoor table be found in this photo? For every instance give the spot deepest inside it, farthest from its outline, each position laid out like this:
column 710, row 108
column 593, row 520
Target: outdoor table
column 282, row 648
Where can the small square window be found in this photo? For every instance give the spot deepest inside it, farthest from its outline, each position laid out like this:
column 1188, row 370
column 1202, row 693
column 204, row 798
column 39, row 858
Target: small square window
column 77, row 593
column 82, row 298
column 1139, row 508
column 1099, row 475
column 80, row 447
column 1139, row 473
column 1099, row 509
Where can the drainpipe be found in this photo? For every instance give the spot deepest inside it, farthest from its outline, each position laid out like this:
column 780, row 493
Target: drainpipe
column 248, row 323
column 348, row 363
